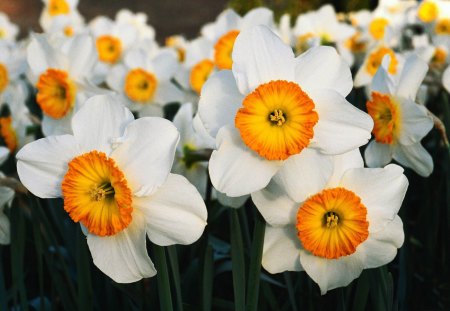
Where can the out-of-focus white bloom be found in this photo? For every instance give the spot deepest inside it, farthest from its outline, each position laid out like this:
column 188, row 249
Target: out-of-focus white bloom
column 65, row 26
column 335, row 228
column 61, row 75
column 117, row 184
column 8, row 31
column 399, row 123
column 6, row 197
column 55, row 8
column 12, row 66
column 144, row 81
column 138, row 21
column 274, row 112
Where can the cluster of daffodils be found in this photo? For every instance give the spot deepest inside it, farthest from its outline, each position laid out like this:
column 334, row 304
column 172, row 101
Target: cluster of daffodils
column 262, row 114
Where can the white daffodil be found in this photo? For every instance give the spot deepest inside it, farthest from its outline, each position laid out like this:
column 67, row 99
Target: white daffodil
column 335, row 228
column 399, row 123
column 60, row 73
column 179, row 44
column 117, row 184
column 8, row 31
column 276, row 111
column 144, row 81
column 65, row 26
column 320, row 27
column 54, row 8
column 373, row 61
column 138, row 21
column 12, row 65
column 428, row 11
column 113, row 40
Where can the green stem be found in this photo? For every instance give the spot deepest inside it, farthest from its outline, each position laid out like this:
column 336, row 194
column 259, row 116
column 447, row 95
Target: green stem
column 165, row 297
column 254, row 274
column 238, row 261
column 174, row 268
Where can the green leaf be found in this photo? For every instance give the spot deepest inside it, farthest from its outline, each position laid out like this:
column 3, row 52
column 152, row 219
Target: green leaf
column 238, row 261
column 174, row 268
column 165, row 297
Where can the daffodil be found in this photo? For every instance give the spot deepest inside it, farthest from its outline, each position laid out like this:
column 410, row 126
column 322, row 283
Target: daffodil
column 12, row 66
column 55, row 8
column 138, row 21
column 8, row 31
column 144, row 81
column 400, row 123
column 60, row 73
column 117, row 184
column 336, row 227
column 274, row 110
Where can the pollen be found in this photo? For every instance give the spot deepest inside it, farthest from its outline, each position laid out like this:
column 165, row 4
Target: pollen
column 385, row 113
column 56, row 93
column 96, row 193
column 332, row 223
column 376, row 57
column 58, row 7
column 223, row 49
column 109, row 49
column 200, row 73
column 276, row 120
column 140, row 85
column 4, row 77
column 428, row 11
column 377, row 27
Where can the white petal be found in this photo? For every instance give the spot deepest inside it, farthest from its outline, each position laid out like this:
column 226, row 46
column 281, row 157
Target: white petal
column 277, row 208
column 51, row 127
column 41, row 55
column 415, row 122
column 165, row 65
column 305, row 174
column 146, row 160
column 321, row 67
column 175, row 213
column 382, row 202
column 167, row 92
column 219, row 101
column 413, row 73
column 281, row 251
column 257, row 16
column 377, row 154
column 82, row 54
column 4, row 153
column 235, row 169
column 42, row 164
column 116, row 78
column 382, row 82
column 183, row 122
column 136, row 58
column 342, row 163
column 331, row 273
column 101, row 119
column 260, row 56
column 362, row 76
column 341, row 126
column 381, row 247
column 415, row 157
column 235, row 202
column 446, row 79
column 123, row 256
column 151, row 110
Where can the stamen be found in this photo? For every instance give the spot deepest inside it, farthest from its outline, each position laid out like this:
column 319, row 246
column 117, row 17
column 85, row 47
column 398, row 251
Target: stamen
column 331, row 219
column 277, row 117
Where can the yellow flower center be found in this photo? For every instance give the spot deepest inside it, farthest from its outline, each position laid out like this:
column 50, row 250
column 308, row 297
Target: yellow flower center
column 439, row 57
column 140, row 85
column 56, row 93
column 109, row 49
column 443, row 26
column 355, row 44
column 377, row 27
column 174, row 42
column 7, row 131
column 302, row 42
column 332, row 223
column 68, row 31
column 96, row 193
column 376, row 57
column 58, row 7
column 385, row 113
column 277, row 120
column 4, row 77
column 223, row 49
column 428, row 11
column 200, row 73
column 2, row 33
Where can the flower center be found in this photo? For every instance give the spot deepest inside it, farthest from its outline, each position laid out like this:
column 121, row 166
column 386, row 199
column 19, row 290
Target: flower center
column 140, row 85
column 223, row 49
column 377, row 27
column 2, row 33
column 56, row 93
column 200, row 73
column 174, row 42
column 68, row 31
column 96, row 193
column 385, row 113
column 7, row 131
column 355, row 43
column 443, row 27
column 439, row 57
column 428, row 11
column 109, row 49
column 332, row 223
column 277, row 120
column 58, row 7
column 376, row 57
column 4, row 77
